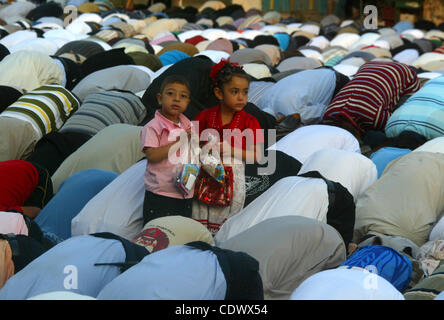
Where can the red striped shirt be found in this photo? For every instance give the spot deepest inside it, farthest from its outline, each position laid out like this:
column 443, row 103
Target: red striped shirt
column 369, row 99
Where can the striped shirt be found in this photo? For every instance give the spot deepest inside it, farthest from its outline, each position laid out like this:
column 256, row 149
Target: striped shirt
column 368, row 100
column 102, row 109
column 46, row 108
column 422, row 113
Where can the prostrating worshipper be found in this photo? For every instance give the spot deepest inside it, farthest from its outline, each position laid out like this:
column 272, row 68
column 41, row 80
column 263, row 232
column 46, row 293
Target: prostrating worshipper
column 107, row 255
column 104, row 108
column 400, row 204
column 346, row 284
column 306, row 140
column 127, row 77
column 289, row 249
column 118, row 208
column 104, row 60
column 8, row 95
column 421, row 113
column 114, row 148
column 312, row 197
column 315, row 90
column 25, row 187
column 194, row 271
column 351, row 169
column 390, row 264
column 42, row 70
column 17, row 251
column 33, row 115
column 366, row 102
column 53, row 148
column 74, row 193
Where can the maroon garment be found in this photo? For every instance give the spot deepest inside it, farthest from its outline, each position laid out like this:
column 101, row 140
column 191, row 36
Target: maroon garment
column 18, row 179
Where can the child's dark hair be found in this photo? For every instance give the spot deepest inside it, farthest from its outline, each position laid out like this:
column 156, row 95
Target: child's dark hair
column 174, row 79
column 224, row 71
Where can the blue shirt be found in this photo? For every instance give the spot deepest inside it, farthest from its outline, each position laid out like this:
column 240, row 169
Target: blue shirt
column 69, row 266
column 384, row 156
column 74, row 193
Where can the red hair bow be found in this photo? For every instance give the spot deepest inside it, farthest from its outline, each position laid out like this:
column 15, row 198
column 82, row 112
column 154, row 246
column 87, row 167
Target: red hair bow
column 216, row 68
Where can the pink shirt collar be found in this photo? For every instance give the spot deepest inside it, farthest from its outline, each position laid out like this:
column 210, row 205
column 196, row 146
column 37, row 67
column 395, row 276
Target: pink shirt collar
column 169, row 125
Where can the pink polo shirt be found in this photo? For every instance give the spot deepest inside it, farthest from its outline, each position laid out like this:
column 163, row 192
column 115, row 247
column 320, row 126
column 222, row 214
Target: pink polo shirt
column 160, row 177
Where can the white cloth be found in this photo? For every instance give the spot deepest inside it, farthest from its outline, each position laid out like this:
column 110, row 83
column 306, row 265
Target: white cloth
column 61, row 295
column 63, row 34
column 351, row 169
column 314, row 93
column 320, row 41
column 19, row 8
column 437, row 231
column 407, row 56
column 415, row 33
column 346, row 284
column 365, row 40
column 175, row 273
column 118, row 208
column 215, row 55
column 184, row 36
column 426, row 58
column 296, row 196
column 46, row 46
column 304, row 141
column 312, row 28
column 257, row 70
column 434, row 145
column 18, row 37
column 346, row 69
column 49, row 271
column 78, row 27
column 345, row 40
column 214, row 34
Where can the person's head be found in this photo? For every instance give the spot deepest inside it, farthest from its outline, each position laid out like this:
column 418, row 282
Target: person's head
column 230, row 84
column 174, row 96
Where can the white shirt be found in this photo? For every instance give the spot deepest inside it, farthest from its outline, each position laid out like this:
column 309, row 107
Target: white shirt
column 352, row 170
column 118, row 208
column 304, row 141
column 307, row 197
column 346, row 284
column 175, row 273
column 314, row 92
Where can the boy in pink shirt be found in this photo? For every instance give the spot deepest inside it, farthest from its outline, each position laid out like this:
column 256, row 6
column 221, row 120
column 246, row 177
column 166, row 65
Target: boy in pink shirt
column 162, row 197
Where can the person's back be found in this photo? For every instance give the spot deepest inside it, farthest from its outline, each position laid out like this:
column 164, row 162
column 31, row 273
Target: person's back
column 406, row 200
column 114, row 148
column 367, row 101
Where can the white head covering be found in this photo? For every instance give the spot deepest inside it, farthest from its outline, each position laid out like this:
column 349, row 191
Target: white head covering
column 346, row 69
column 184, row 36
column 312, row 28
column 257, row 70
column 214, row 34
column 415, row 33
column 346, row 284
column 351, row 169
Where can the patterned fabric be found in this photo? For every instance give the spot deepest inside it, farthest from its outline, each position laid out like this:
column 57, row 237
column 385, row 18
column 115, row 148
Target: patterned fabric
column 428, row 288
column 46, row 108
column 421, row 113
column 102, row 109
column 368, row 100
column 384, row 261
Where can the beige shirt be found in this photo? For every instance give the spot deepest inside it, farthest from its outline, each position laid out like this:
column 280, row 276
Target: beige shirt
column 406, row 201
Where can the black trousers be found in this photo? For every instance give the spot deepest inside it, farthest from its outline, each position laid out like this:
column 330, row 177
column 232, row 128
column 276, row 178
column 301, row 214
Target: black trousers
column 157, row 206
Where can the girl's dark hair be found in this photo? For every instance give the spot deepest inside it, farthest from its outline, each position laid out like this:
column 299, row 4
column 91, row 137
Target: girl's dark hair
column 224, row 71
